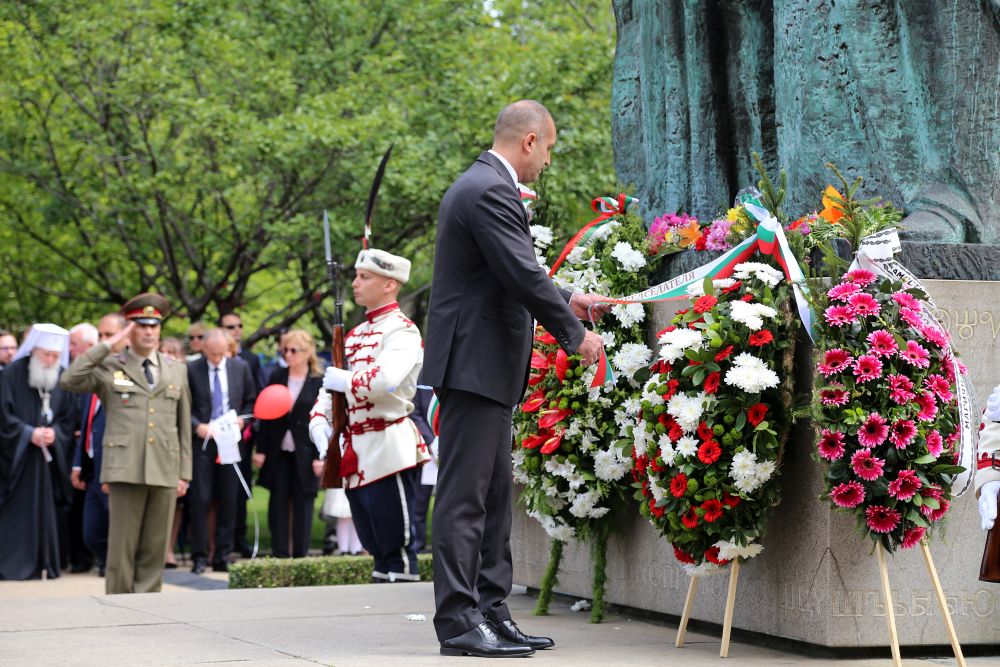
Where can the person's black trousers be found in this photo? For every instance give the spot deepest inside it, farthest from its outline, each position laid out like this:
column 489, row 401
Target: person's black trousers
column 422, row 497
column 473, row 573
column 383, row 516
column 287, row 494
column 212, row 481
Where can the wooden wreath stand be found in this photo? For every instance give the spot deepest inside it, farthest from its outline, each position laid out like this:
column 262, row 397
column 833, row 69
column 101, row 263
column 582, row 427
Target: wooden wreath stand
column 734, row 574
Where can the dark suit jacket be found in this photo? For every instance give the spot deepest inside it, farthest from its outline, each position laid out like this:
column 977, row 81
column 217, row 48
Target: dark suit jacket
column 242, row 392
column 272, row 432
column 251, row 360
column 86, row 464
column 487, row 286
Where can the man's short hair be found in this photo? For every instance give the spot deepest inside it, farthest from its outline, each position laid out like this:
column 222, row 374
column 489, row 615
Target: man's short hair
column 519, row 118
column 229, row 313
column 88, row 330
column 122, row 322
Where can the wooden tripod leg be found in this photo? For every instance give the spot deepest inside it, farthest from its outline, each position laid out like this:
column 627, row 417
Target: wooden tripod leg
column 686, row 616
column 727, row 624
column 890, row 615
column 943, row 604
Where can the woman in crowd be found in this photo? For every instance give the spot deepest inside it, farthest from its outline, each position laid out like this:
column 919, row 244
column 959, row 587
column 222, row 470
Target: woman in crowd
column 289, row 462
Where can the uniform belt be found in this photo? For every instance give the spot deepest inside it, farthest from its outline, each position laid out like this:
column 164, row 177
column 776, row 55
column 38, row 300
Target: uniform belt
column 372, row 425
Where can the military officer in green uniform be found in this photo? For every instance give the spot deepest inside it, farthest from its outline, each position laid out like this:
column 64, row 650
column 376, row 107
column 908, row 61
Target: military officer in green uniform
column 147, row 441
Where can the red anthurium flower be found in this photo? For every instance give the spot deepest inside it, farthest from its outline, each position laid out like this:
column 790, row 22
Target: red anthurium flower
column 534, row 401
column 550, row 418
column 756, row 413
column 562, row 363
column 533, row 441
column 535, row 378
column 552, row 444
column 539, row 361
column 544, row 337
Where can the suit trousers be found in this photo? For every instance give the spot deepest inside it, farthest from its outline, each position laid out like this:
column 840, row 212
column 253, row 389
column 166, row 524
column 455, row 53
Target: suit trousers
column 473, row 571
column 383, row 516
column 289, row 505
column 212, row 481
column 95, row 521
column 140, row 519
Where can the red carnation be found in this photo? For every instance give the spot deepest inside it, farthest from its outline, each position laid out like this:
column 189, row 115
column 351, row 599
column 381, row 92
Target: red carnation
column 761, row 338
column 730, row 500
column 709, row 452
column 724, row 353
column 703, row 304
column 701, row 243
column 683, row 556
column 712, row 383
column 713, row 510
column 679, row 485
column 690, row 519
column 756, row 413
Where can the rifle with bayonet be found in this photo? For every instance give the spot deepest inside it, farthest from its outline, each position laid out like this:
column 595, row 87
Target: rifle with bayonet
column 331, row 469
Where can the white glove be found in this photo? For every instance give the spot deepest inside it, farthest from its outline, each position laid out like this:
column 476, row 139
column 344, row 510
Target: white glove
column 988, row 503
column 320, row 435
column 337, row 379
column 993, row 406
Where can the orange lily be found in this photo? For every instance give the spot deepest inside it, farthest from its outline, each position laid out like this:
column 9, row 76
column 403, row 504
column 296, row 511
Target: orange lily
column 689, row 234
column 831, row 205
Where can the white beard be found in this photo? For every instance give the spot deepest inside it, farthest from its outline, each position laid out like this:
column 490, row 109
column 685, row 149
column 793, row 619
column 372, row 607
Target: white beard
column 41, row 377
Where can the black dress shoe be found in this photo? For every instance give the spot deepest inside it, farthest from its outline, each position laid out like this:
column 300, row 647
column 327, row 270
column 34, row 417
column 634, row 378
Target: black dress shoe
column 199, row 566
column 508, row 630
column 482, row 642
column 220, row 566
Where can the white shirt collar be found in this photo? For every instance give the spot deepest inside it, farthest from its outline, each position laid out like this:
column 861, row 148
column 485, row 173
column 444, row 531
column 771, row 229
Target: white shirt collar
column 503, row 161
column 222, row 364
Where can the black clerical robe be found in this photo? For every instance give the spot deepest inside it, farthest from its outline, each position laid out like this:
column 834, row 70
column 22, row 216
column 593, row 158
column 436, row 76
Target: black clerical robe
column 30, row 487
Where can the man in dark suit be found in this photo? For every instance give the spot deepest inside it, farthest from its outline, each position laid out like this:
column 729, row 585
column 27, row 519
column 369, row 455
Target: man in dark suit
column 487, row 287
column 218, row 384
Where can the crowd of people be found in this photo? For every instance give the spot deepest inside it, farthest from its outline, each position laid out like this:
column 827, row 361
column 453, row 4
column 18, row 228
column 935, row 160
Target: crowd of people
column 64, row 410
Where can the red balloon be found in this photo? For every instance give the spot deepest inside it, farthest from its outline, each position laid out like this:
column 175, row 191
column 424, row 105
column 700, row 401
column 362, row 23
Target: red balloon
column 274, row 402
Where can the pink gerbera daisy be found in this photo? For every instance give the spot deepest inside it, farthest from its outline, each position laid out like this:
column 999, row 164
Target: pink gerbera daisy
column 938, row 514
column 934, row 335
column 915, row 354
column 935, row 443
column 831, row 445
column 905, row 486
column 838, row 316
column 940, row 386
column 849, row 494
column 903, row 432
column 867, row 367
column 843, row 291
column 866, row 466
column 860, row 277
column 834, row 395
column 864, row 305
column 882, row 343
column 911, row 316
column 906, row 300
column 928, row 408
column 881, row 519
column 912, row 537
column 874, row 431
column 834, row 361
column 900, row 389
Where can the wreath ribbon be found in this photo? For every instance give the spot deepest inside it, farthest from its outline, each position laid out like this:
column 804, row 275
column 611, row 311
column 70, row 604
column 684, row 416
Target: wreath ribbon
column 606, row 208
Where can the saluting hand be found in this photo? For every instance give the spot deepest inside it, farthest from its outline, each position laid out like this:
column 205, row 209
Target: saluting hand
column 117, row 342
column 590, row 348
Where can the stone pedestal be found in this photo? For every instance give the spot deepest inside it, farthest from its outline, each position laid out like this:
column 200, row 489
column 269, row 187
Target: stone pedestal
column 817, row 579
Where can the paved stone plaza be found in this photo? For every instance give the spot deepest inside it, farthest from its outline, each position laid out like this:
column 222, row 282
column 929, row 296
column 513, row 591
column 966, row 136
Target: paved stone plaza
column 70, row 622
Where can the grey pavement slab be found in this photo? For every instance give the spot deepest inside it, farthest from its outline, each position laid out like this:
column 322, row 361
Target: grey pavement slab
column 337, row 625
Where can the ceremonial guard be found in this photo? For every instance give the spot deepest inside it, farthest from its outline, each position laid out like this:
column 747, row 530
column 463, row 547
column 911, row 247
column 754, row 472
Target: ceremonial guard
column 147, row 441
column 382, row 448
column 988, row 485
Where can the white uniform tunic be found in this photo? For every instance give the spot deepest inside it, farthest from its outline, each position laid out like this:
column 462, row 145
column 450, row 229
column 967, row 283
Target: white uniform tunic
column 384, row 354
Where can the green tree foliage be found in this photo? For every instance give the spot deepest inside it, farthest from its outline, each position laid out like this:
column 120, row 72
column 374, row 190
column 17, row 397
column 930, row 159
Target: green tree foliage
column 190, row 147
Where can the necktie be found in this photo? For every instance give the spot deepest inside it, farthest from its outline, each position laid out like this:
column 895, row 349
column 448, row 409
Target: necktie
column 146, row 368
column 216, row 394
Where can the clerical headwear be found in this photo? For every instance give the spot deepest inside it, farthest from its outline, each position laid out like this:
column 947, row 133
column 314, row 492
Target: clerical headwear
column 146, row 308
column 46, row 336
column 384, row 264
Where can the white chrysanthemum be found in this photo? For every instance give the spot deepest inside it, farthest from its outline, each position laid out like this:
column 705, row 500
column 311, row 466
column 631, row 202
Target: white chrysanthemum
column 604, row 231
column 609, row 465
column 765, row 470
column 686, row 446
column 628, row 257
column 542, row 262
column 631, row 406
column 575, row 255
column 655, row 488
column 705, row 569
column 541, row 236
column 563, row 469
column 750, row 361
column 556, row 528
column 609, row 339
column 751, row 379
column 651, row 394
column 762, row 272
column 640, row 436
column 629, row 313
column 687, row 410
column 667, row 451
column 630, row 358
column 697, row 288
column 751, row 314
column 674, row 343
column 744, row 465
column 747, row 484
column 731, row 550
column 584, row 505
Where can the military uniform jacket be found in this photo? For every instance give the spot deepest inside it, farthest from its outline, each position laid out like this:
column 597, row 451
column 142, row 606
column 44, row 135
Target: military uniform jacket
column 147, row 437
column 385, row 353
column 989, row 445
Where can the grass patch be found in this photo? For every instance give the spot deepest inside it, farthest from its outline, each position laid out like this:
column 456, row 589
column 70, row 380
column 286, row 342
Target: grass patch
column 316, row 571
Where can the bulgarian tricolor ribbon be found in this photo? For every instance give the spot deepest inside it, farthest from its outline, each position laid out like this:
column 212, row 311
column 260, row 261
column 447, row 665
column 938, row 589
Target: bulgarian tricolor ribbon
column 769, row 239
column 606, row 208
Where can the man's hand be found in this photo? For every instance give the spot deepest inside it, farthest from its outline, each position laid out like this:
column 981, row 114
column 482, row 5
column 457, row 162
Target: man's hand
column 580, row 303
column 74, row 479
column 257, row 459
column 43, row 436
column 988, row 503
column 318, row 467
column 590, row 348
column 182, row 487
column 105, row 489
column 118, row 341
column 203, row 430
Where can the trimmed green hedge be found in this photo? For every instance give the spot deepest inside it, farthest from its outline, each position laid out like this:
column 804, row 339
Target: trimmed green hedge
column 318, row 571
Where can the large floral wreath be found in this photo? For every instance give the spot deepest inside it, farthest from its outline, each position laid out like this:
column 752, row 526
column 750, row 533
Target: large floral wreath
column 713, row 418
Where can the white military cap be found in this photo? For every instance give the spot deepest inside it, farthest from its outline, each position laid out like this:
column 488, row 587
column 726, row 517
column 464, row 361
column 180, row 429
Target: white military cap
column 384, row 264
